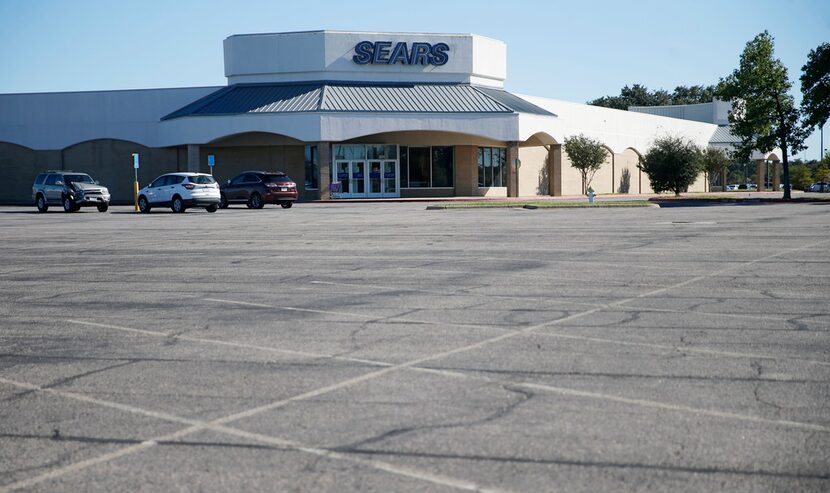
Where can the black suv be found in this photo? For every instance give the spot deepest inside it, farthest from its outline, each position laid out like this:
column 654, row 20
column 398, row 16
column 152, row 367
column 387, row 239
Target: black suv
column 71, row 189
column 257, row 188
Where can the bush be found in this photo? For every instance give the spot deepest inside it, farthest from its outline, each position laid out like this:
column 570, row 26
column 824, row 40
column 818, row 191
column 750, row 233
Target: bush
column 672, row 164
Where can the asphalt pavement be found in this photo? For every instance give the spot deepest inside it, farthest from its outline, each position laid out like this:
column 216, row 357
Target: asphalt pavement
column 385, row 347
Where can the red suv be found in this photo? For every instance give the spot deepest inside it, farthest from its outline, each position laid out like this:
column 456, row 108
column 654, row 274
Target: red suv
column 257, row 188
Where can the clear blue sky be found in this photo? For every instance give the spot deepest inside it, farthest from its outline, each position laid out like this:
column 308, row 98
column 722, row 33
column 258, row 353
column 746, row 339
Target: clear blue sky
column 574, row 50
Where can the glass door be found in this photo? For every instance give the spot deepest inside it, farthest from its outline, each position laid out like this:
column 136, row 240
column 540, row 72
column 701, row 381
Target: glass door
column 375, row 179
column 342, row 176
column 391, row 182
column 358, row 179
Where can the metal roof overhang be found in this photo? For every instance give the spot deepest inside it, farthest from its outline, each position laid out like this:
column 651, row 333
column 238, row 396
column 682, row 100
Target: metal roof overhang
column 354, row 97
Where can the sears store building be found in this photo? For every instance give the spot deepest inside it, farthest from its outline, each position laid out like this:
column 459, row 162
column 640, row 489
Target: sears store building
column 346, row 114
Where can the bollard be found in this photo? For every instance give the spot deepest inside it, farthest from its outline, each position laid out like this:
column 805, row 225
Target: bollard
column 590, row 196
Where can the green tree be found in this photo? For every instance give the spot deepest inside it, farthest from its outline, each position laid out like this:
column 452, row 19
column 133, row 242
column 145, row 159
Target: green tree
column 639, row 95
column 672, row 164
column 800, row 176
column 586, row 155
column 822, row 173
column 815, row 86
column 714, row 162
column 763, row 114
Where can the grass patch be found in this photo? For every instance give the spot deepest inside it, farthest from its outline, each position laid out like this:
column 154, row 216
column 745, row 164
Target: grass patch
column 539, row 204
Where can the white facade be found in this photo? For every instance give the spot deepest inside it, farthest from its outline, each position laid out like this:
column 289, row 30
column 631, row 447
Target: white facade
column 328, row 55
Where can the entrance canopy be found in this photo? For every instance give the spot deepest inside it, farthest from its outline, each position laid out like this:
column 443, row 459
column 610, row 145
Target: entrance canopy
column 335, row 97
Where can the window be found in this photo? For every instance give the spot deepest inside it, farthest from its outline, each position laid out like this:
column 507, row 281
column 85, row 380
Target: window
column 349, row 152
column 380, row 151
column 40, row 178
column 249, row 178
column 491, row 167
column 312, row 168
column 200, row 179
column 238, row 179
column 52, row 179
column 159, row 182
column 419, row 168
column 442, row 167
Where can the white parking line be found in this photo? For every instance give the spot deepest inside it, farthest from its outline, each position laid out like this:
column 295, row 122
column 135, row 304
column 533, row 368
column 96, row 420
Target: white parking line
column 218, row 426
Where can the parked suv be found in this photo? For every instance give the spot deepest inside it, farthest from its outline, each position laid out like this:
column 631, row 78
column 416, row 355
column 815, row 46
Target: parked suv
column 180, row 191
column 257, row 188
column 71, row 189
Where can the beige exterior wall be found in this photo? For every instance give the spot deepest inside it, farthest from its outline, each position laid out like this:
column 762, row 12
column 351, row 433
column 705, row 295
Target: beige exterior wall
column 533, row 173
column 20, row 166
column 230, row 161
column 699, row 185
column 466, row 170
column 627, row 160
column 571, row 178
column 603, row 181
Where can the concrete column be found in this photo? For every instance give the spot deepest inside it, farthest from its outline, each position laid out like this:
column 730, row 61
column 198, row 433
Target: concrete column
column 555, row 174
column 193, row 158
column 466, row 171
column 776, row 175
column 512, row 171
column 551, row 161
column 723, row 175
column 324, row 161
column 761, row 174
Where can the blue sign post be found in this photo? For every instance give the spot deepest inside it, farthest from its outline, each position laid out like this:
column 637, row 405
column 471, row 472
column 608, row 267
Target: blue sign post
column 135, row 184
column 211, row 162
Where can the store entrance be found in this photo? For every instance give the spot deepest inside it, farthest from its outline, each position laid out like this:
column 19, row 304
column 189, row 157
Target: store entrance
column 368, row 178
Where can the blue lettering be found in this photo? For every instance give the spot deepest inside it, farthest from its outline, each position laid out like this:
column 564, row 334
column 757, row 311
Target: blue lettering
column 363, row 52
column 382, row 52
column 439, row 54
column 419, row 54
column 399, row 54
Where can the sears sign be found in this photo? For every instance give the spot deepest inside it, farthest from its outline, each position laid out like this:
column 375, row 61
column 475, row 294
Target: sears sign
column 388, row 53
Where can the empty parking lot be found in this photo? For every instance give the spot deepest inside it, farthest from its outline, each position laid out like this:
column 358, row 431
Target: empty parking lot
column 384, row 347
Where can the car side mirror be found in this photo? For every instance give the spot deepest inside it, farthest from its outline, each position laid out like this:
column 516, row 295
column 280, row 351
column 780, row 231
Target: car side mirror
column 97, row 182
column 58, row 182
column 228, row 182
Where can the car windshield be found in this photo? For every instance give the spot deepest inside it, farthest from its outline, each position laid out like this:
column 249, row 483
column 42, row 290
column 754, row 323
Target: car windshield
column 201, row 179
column 78, row 179
column 276, row 179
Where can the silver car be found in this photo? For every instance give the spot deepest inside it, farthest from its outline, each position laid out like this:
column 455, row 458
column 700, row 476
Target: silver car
column 70, row 189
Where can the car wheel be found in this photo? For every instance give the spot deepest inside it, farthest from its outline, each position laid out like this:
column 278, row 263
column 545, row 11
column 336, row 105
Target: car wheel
column 212, row 208
column 287, row 205
column 255, row 201
column 223, row 202
column 143, row 205
column 103, row 207
column 69, row 204
column 178, row 205
column 42, row 206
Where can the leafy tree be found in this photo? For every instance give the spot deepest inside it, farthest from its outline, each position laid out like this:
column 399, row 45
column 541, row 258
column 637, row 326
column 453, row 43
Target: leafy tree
column 586, row 155
column 672, row 164
column 815, row 86
column 763, row 114
column 822, row 173
column 714, row 162
column 639, row 95
column 800, row 176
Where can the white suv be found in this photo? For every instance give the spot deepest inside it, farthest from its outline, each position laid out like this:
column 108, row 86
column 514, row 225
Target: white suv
column 180, row 191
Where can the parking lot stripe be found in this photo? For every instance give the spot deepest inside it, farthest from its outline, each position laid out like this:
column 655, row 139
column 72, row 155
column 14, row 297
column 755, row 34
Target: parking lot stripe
column 218, row 426
column 675, row 407
column 289, row 352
